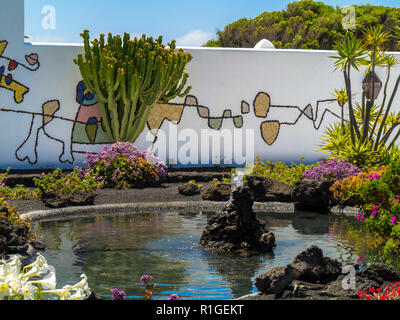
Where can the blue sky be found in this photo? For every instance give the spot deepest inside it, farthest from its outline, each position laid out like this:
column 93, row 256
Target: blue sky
column 189, row 22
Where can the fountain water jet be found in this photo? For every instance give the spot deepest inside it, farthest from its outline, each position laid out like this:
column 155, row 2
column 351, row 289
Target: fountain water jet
column 236, row 229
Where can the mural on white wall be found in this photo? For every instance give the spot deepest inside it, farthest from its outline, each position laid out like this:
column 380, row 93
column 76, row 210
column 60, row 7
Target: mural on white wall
column 86, row 128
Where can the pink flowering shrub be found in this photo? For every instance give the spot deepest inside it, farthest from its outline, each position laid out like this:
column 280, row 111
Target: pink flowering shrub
column 123, row 166
column 380, row 206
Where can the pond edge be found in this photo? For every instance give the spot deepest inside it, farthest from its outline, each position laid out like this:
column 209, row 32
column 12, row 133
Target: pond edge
column 86, row 211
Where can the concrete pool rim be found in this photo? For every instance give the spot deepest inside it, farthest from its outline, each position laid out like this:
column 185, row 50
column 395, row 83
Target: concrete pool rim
column 87, row 211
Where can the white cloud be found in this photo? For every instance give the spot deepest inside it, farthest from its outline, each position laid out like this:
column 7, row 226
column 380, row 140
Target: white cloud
column 194, row 38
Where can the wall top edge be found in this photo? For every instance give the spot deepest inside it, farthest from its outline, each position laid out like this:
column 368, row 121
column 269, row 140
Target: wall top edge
column 305, row 51
column 53, row 44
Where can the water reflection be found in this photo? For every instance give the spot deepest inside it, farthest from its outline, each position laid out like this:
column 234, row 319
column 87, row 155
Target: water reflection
column 114, row 251
column 238, row 272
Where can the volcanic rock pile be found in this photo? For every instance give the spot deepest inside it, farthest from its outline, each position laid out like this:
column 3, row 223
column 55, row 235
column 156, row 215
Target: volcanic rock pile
column 236, row 228
column 52, row 200
column 13, row 237
column 311, row 276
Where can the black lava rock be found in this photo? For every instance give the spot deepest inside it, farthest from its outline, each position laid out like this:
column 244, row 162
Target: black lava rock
column 53, row 200
column 13, row 238
column 219, row 192
column 236, row 228
column 189, row 189
column 311, row 276
column 266, row 189
column 312, row 195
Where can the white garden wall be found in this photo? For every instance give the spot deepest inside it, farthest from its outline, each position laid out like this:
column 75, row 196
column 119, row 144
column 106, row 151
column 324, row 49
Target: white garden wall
column 271, row 101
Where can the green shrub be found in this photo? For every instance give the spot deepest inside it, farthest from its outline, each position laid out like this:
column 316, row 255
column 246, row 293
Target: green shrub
column 59, row 183
column 279, row 171
column 305, row 24
column 17, row 192
column 11, row 214
column 392, row 176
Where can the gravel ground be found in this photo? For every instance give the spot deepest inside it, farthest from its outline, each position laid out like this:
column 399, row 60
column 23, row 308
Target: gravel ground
column 168, row 192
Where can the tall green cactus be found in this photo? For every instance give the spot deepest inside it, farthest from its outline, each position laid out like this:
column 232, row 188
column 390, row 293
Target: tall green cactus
column 129, row 77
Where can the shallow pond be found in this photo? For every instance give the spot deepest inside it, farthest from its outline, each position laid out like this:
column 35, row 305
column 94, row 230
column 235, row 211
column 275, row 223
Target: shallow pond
column 114, row 251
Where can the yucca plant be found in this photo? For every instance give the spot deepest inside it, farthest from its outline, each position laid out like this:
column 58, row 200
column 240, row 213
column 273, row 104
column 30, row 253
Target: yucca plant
column 341, row 98
column 375, row 41
column 129, row 77
column 368, row 125
column 350, row 54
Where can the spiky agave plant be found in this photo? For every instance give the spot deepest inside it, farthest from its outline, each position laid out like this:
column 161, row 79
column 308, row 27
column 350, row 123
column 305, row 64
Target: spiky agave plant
column 129, row 77
column 337, row 142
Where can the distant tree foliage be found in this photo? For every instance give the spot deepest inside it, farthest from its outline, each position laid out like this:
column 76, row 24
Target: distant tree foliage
column 305, row 24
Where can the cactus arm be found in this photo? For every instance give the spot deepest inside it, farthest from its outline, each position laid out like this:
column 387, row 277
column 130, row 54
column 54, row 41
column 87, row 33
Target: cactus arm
column 86, row 44
column 112, row 104
column 129, row 77
column 130, row 106
column 139, row 123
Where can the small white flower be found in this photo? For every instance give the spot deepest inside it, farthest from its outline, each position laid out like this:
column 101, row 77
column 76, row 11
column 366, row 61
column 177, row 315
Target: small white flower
column 35, row 271
column 4, row 290
column 83, row 287
column 16, row 285
column 49, row 282
column 64, row 293
column 11, row 268
column 79, row 295
column 28, row 291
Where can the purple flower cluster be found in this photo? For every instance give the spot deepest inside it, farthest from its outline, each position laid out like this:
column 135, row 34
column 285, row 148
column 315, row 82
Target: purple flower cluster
column 374, row 176
column 146, row 278
column 331, row 170
column 118, row 295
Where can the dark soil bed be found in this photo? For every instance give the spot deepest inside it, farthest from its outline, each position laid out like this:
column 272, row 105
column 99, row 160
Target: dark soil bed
column 168, row 192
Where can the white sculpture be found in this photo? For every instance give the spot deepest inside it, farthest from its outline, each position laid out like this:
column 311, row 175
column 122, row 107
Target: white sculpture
column 264, row 44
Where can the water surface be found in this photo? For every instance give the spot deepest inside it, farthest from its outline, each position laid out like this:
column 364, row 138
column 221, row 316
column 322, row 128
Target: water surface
column 115, row 250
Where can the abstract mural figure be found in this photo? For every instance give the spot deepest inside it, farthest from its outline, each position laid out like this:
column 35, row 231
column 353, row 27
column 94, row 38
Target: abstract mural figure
column 88, row 127
column 173, row 112
column 270, row 129
column 49, row 124
column 6, row 79
column 262, row 106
